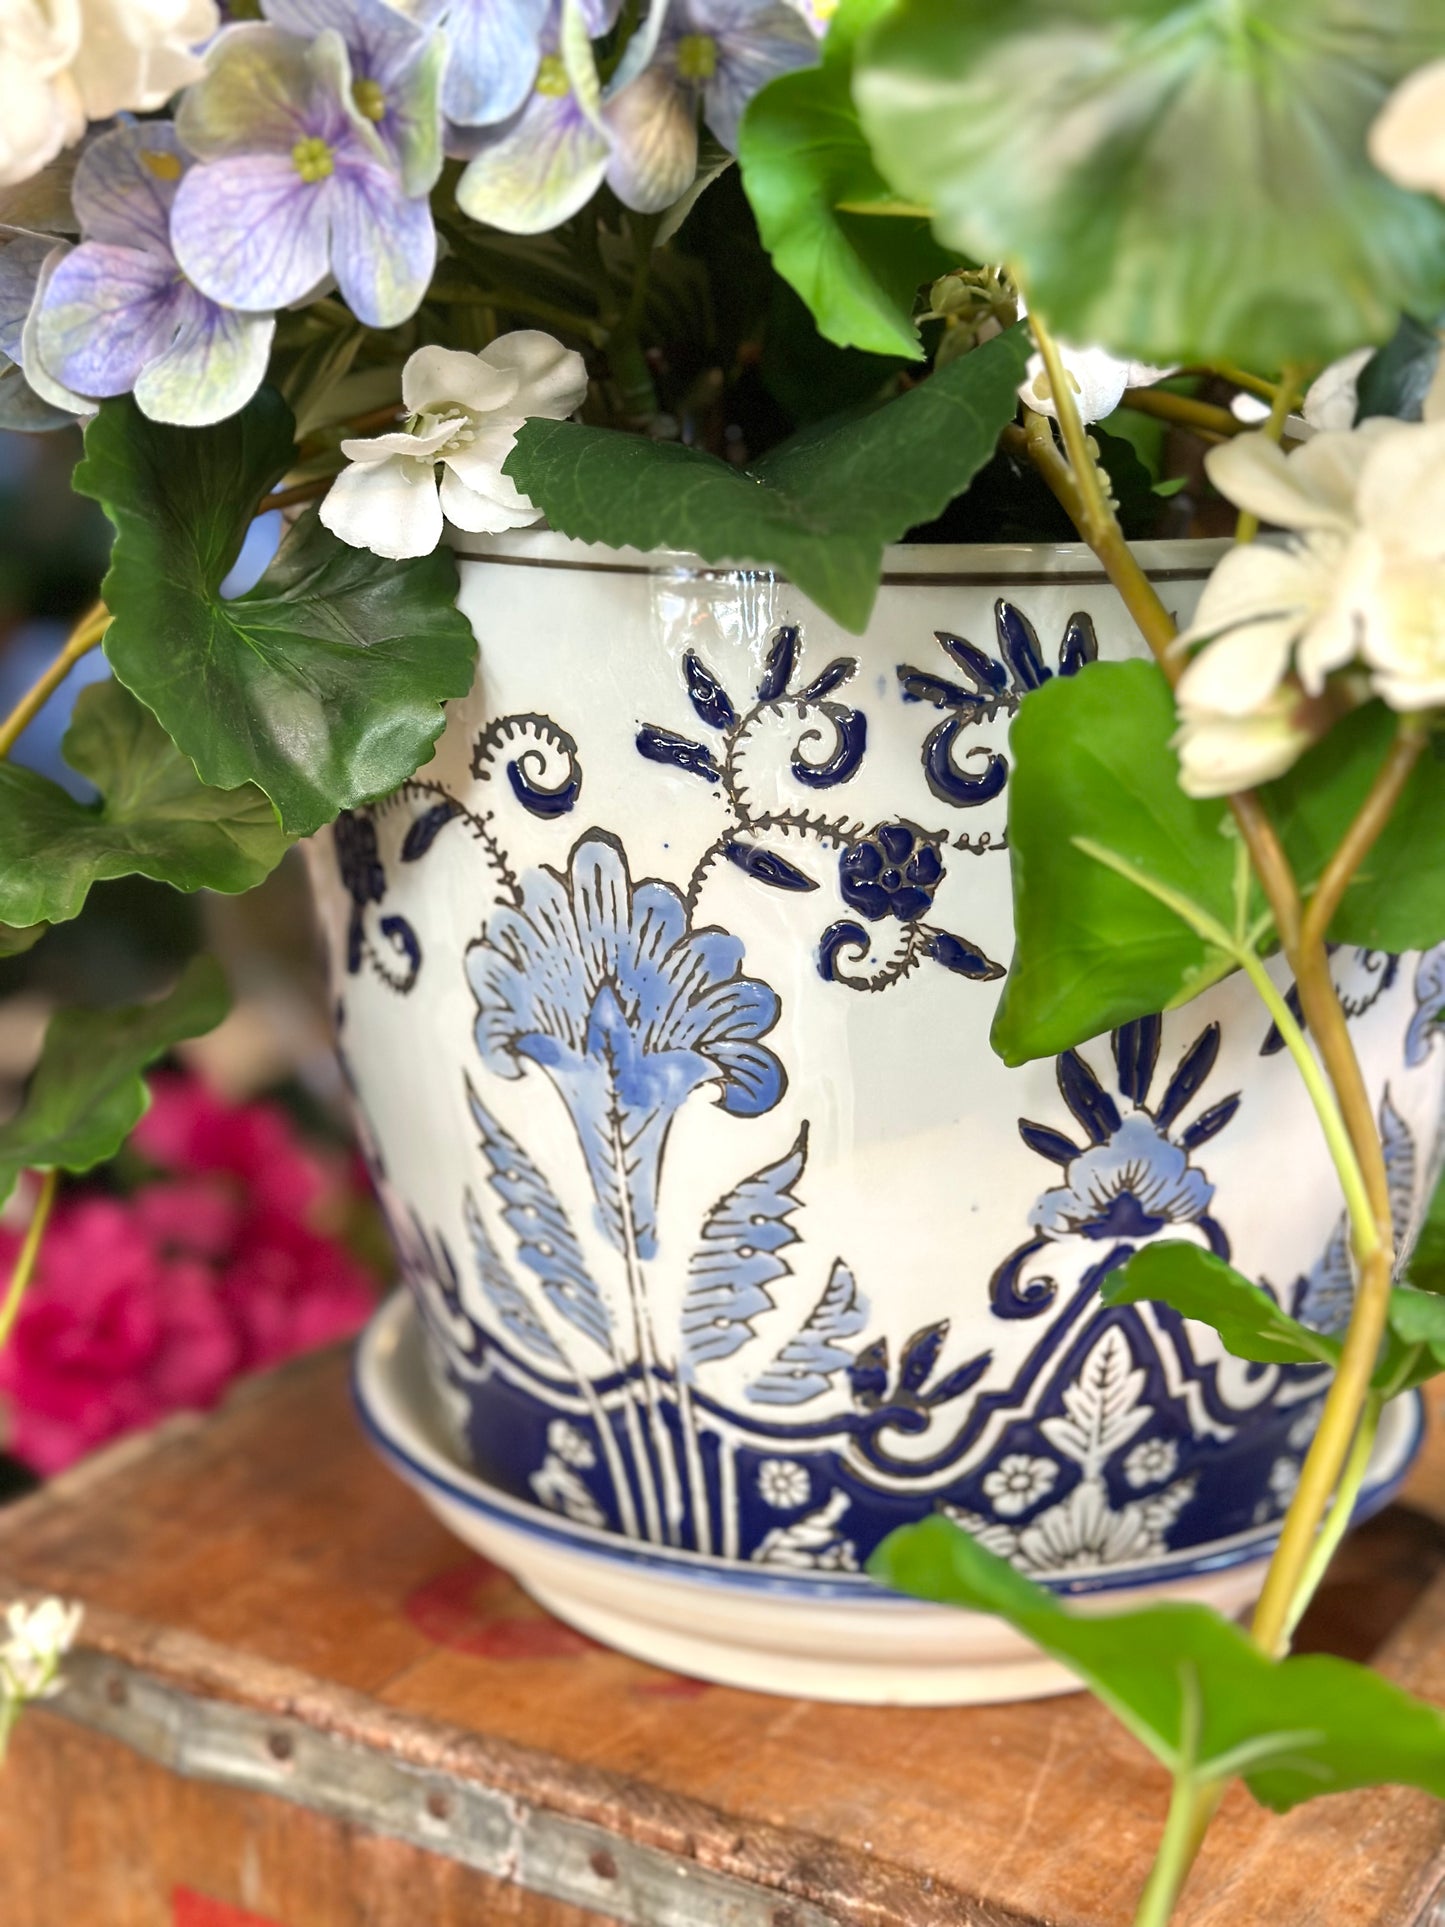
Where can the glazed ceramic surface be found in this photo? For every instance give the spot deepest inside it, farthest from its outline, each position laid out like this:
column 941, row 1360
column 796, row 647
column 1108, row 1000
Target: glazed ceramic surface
column 809, row 1634
column 666, row 991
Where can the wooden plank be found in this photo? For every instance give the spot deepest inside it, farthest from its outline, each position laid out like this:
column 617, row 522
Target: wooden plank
column 264, row 1561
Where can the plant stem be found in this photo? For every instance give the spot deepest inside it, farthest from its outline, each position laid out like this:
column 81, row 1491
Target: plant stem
column 1337, row 1524
column 1374, row 813
column 1183, row 411
column 287, row 498
column 1177, row 1849
column 29, row 1251
column 1246, row 527
column 81, row 640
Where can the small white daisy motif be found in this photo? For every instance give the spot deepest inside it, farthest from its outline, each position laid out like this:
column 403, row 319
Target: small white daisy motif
column 783, row 1484
column 1151, row 1461
column 1017, row 1481
column 1283, row 1480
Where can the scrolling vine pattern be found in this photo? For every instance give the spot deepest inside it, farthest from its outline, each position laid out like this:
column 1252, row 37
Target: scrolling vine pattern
column 593, row 1342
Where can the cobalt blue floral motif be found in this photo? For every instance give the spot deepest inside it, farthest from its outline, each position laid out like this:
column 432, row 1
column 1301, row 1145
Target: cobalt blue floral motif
column 358, row 862
column 1325, row 1298
column 628, row 1011
column 991, row 686
column 1134, row 1177
column 894, row 871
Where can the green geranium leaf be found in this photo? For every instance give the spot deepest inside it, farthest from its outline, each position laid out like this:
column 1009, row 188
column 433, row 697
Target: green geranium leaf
column 1426, row 1269
column 1092, row 766
column 323, row 685
column 155, row 818
column 803, row 155
column 1396, row 900
column 87, row 1093
column 1198, row 1285
column 1191, row 1686
column 1116, row 153
column 1396, row 378
column 821, row 507
column 13, row 943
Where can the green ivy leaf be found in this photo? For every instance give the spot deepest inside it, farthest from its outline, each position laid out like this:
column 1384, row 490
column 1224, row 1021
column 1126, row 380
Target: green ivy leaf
column 1116, row 155
column 154, row 818
column 821, row 507
column 1251, row 1325
column 803, row 154
column 323, row 685
column 1198, row 1285
column 1191, row 1686
column 87, row 1093
column 1396, row 900
column 1093, row 950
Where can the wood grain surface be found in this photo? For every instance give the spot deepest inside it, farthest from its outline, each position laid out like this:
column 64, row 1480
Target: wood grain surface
column 283, row 1623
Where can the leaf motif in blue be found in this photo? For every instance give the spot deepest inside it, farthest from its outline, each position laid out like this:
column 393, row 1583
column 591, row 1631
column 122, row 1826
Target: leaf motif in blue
column 805, row 1366
column 737, row 1259
column 502, row 1292
column 546, row 1243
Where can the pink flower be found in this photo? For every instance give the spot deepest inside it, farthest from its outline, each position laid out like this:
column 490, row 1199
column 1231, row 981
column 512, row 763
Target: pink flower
column 154, row 1304
column 112, row 1337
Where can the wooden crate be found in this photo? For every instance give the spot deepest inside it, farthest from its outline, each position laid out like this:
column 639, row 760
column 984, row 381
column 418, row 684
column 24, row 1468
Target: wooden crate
column 299, row 1703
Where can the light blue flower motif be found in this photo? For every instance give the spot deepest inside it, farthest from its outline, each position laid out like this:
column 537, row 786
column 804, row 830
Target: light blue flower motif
column 715, row 52
column 23, row 258
column 295, row 183
column 117, row 315
column 1132, row 1187
column 1429, row 1019
column 629, row 1011
column 538, row 168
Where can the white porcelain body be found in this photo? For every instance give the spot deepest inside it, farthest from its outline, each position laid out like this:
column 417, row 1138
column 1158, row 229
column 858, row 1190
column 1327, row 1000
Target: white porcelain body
column 665, row 991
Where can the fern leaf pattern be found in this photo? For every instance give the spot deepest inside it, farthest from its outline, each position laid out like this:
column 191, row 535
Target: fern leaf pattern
column 737, row 1259
column 805, row 1366
column 514, row 1309
column 546, row 1243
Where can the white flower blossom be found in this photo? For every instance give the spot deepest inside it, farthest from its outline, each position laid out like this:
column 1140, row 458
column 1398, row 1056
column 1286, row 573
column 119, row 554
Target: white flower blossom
column 1407, row 141
column 1333, row 396
column 783, row 1484
column 465, row 413
column 1017, row 1481
column 1361, row 581
column 64, row 62
column 1151, row 1461
column 36, row 1639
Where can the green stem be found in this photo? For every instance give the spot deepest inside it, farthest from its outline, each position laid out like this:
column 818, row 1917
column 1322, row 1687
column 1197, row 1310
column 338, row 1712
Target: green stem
column 86, row 634
column 29, row 1251
column 1177, row 1849
column 1337, row 1522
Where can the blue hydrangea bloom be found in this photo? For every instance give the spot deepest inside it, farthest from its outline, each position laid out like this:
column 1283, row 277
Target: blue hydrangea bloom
column 295, row 183
column 494, row 47
column 116, row 314
column 629, row 1011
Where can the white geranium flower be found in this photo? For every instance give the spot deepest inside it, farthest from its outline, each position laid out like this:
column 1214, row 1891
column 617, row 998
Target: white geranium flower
column 1407, row 141
column 465, row 412
column 1362, row 581
column 1333, row 396
column 63, row 62
column 1017, row 1481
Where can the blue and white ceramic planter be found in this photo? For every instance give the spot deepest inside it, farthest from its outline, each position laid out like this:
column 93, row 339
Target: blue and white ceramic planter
column 665, row 990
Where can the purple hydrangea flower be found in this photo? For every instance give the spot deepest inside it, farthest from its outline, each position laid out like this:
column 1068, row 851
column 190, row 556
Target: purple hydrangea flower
column 548, row 160
column 716, row 52
column 116, row 314
column 23, row 259
column 396, row 75
column 295, row 183
column 493, row 50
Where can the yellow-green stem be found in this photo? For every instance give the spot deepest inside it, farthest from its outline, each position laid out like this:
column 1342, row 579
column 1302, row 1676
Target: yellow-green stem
column 29, row 1251
column 81, row 640
column 1341, row 1512
column 1183, row 411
